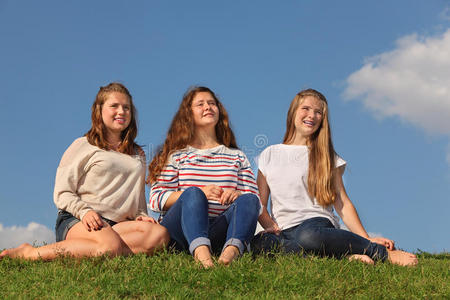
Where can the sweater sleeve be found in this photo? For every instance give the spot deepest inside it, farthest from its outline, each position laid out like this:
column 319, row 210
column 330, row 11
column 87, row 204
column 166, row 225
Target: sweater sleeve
column 165, row 185
column 71, row 169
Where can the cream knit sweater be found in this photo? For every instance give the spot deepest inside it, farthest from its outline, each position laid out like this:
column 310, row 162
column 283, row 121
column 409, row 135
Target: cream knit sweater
column 108, row 182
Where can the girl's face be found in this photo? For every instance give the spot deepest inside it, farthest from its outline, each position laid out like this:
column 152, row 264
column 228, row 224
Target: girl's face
column 116, row 113
column 204, row 110
column 308, row 117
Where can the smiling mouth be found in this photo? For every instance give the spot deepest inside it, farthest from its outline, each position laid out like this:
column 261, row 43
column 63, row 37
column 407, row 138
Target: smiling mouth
column 309, row 123
column 120, row 120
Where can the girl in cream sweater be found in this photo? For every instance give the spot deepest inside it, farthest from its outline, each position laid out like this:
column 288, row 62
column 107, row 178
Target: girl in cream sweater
column 99, row 189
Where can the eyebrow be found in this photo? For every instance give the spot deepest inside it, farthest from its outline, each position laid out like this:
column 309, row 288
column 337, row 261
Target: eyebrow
column 203, row 100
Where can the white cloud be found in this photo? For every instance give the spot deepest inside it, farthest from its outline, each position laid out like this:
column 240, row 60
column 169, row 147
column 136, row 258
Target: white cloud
column 33, row 233
column 411, row 82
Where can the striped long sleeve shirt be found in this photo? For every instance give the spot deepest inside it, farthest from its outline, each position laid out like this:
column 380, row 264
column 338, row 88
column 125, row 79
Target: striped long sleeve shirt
column 221, row 166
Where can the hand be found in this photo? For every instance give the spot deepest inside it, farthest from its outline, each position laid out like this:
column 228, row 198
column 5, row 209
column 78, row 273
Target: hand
column 389, row 244
column 212, row 192
column 146, row 219
column 273, row 229
column 92, row 221
column 228, row 196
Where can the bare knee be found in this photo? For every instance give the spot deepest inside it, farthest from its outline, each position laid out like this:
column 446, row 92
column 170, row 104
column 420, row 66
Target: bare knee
column 109, row 244
column 156, row 238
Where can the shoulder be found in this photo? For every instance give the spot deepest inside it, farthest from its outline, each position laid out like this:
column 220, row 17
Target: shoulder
column 229, row 150
column 267, row 153
column 232, row 152
column 77, row 150
column 177, row 155
column 339, row 161
column 81, row 144
column 139, row 151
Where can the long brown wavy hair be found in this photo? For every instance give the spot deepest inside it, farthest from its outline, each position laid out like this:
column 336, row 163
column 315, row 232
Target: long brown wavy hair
column 182, row 131
column 322, row 171
column 97, row 134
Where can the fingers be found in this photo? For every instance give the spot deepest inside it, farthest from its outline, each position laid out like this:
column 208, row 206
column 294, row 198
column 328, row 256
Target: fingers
column 92, row 221
column 229, row 196
column 390, row 245
column 212, row 192
column 274, row 229
column 146, row 219
column 215, row 192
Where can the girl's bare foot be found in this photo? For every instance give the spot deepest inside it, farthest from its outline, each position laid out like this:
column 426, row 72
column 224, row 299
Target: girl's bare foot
column 23, row 251
column 362, row 258
column 402, row 258
column 228, row 255
column 203, row 255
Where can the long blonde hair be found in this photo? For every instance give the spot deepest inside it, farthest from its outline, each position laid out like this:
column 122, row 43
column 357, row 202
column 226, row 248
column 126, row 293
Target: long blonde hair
column 97, row 134
column 321, row 170
column 182, row 131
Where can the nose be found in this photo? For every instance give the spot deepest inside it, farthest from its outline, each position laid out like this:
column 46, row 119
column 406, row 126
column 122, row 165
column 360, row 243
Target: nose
column 120, row 109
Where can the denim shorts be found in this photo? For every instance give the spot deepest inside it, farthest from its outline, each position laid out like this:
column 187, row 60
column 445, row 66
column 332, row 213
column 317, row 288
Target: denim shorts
column 66, row 220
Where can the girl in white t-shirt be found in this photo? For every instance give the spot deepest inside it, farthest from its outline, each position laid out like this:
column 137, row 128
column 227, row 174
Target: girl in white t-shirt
column 304, row 178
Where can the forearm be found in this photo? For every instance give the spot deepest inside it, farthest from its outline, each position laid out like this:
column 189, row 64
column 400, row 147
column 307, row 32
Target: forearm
column 265, row 219
column 351, row 219
column 172, row 199
column 71, row 203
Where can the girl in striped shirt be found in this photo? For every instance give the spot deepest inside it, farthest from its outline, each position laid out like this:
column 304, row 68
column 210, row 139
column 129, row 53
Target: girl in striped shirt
column 203, row 184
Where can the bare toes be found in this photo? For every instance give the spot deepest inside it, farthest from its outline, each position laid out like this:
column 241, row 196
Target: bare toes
column 362, row 258
column 229, row 254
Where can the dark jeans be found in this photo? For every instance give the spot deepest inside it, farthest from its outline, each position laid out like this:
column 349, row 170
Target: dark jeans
column 318, row 236
column 189, row 225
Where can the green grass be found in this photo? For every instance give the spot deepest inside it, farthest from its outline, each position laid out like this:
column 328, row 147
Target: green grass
column 177, row 276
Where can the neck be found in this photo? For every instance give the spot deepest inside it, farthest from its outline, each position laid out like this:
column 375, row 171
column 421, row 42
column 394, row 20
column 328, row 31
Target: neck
column 113, row 140
column 298, row 140
column 204, row 139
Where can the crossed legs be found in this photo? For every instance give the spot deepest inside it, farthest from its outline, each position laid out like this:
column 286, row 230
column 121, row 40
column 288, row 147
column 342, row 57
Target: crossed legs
column 121, row 239
column 319, row 236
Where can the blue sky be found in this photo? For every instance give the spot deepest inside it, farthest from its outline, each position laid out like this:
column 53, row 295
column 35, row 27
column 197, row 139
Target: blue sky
column 384, row 67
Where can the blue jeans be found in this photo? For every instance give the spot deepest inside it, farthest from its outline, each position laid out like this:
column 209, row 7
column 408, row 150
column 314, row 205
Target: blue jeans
column 318, row 236
column 189, row 225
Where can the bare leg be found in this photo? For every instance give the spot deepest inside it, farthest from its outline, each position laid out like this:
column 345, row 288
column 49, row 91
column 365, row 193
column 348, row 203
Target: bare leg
column 362, row 258
column 402, row 258
column 142, row 237
column 79, row 243
column 228, row 255
column 21, row 251
column 203, row 255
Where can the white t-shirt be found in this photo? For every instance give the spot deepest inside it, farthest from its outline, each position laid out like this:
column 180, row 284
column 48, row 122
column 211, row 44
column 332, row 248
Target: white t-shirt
column 285, row 168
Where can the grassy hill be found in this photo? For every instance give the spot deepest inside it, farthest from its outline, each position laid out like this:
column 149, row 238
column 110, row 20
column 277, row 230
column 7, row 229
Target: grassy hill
column 177, row 276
